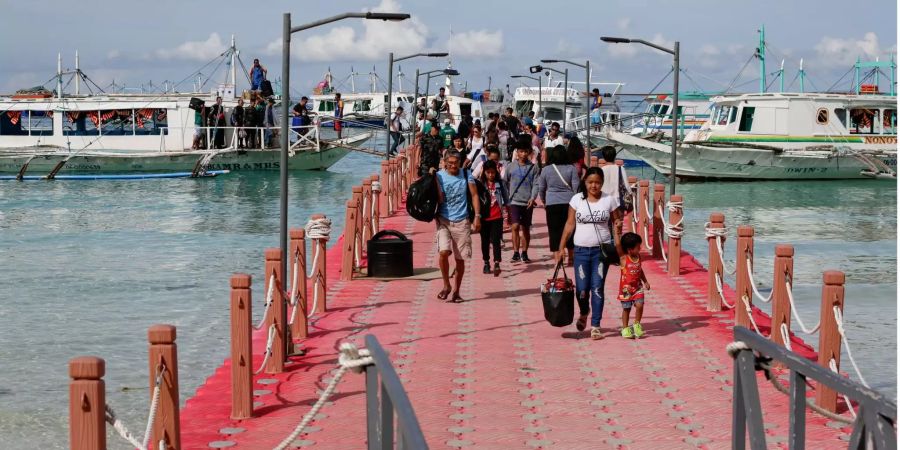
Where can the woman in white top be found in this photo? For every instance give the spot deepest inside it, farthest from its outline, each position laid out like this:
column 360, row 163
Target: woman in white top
column 590, row 212
column 612, row 173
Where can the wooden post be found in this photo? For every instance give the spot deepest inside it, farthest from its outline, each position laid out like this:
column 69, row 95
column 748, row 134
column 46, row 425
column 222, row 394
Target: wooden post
column 365, row 213
column 320, row 276
column 395, row 186
column 659, row 199
column 347, row 256
column 632, row 187
column 403, row 162
column 299, row 326
column 742, row 286
column 276, row 315
column 383, row 207
column 643, row 198
column 87, row 403
column 376, row 206
column 356, row 197
column 164, row 354
column 829, row 336
column 781, row 305
column 241, row 347
column 716, row 220
column 674, row 251
column 595, row 162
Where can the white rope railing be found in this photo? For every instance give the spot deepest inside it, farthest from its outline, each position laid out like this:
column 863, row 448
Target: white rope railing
column 663, row 249
column 721, row 292
column 794, row 313
column 350, row 358
column 321, row 229
column 318, row 228
column 675, row 230
column 647, row 225
column 294, row 290
column 753, row 284
column 719, row 233
column 269, row 343
column 839, row 319
column 786, row 336
column 833, row 366
column 746, row 302
column 120, row 427
column 269, row 294
column 376, row 187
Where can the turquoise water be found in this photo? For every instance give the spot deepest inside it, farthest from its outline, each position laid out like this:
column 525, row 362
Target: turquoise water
column 90, row 265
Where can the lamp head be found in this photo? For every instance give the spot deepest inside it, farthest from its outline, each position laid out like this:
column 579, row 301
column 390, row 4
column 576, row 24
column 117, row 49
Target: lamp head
column 535, row 69
column 549, row 61
column 437, row 55
column 387, row 16
column 615, row 40
column 451, row 72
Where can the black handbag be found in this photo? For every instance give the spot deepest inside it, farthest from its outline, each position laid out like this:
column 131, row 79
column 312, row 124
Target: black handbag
column 558, row 297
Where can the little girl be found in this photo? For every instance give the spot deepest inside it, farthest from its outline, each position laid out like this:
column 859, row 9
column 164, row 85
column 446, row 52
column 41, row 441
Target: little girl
column 492, row 216
column 632, row 283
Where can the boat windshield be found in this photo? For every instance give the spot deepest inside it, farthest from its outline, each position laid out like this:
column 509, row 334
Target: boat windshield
column 523, row 107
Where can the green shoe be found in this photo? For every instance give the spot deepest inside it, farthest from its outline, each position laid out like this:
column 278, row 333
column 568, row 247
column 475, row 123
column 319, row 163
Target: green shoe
column 627, row 333
column 638, row 330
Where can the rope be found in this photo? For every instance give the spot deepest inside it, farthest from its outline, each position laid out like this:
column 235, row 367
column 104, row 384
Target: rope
column 646, row 225
column 750, row 314
column 719, row 233
column 121, row 429
column 318, row 229
column 673, row 230
column 786, row 335
column 797, row 316
column 753, row 284
column 376, row 187
column 833, row 366
column 350, row 358
column 151, row 417
column 268, row 350
column 294, row 290
column 839, row 319
column 663, row 250
column 722, row 294
column 268, row 303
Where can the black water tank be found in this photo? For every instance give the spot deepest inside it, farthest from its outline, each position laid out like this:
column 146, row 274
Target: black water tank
column 390, row 257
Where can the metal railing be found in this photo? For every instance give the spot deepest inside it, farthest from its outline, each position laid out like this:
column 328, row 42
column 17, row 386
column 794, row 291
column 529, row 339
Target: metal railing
column 386, row 397
column 874, row 427
column 232, row 135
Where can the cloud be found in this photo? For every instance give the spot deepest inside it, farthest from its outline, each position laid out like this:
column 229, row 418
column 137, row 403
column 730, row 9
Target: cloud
column 843, row 52
column 113, row 54
column 195, row 50
column 565, row 47
column 623, row 23
column 709, row 50
column 476, row 43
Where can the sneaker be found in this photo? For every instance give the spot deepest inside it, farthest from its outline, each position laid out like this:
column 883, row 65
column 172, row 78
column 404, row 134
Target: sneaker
column 627, row 333
column 525, row 257
column 487, row 268
column 581, row 324
column 516, row 257
column 496, row 269
column 638, row 330
column 596, row 334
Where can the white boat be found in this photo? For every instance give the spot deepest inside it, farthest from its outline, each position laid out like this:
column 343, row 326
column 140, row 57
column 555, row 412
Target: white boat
column 693, row 111
column 44, row 133
column 360, row 108
column 780, row 136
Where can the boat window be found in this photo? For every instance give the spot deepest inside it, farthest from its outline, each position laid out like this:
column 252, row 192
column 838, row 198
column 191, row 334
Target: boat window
column 326, row 106
column 889, row 123
column 733, row 114
column 862, row 120
column 523, row 107
column 465, row 109
column 659, row 108
column 151, row 121
column 747, row 118
column 553, row 113
column 722, row 116
column 76, row 123
column 822, row 116
column 11, row 124
column 362, row 105
column 841, row 115
column 26, row 123
column 116, row 122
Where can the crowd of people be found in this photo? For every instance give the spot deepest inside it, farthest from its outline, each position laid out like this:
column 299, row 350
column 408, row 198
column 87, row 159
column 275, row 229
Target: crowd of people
column 492, row 176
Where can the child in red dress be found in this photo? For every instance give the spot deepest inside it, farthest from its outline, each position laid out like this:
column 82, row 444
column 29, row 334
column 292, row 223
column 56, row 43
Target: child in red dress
column 632, row 284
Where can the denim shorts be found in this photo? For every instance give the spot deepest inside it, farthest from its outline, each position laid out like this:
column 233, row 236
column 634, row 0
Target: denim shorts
column 628, row 305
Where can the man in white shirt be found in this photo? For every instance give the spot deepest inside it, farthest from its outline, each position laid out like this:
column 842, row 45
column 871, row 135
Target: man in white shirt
column 611, row 173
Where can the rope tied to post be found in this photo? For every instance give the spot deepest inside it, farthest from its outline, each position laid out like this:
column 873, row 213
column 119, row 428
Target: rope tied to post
column 753, row 284
column 269, row 294
column 746, row 301
column 318, row 229
column 269, row 342
column 718, row 234
column 120, row 427
column 350, row 358
column 794, row 313
column 721, row 292
column 839, row 319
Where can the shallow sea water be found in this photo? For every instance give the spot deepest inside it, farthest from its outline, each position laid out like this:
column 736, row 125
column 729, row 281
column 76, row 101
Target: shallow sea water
column 89, row 265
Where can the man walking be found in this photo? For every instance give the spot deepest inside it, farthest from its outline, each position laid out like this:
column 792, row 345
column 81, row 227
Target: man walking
column 396, row 128
column 455, row 191
column 432, row 149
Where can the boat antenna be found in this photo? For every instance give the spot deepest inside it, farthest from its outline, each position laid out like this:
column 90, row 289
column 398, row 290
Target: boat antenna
column 761, row 54
column 59, row 75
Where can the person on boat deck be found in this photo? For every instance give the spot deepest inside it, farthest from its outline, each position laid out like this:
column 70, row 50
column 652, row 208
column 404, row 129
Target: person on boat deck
column 269, row 116
column 199, row 132
column 237, row 121
column 216, row 118
column 338, row 114
column 596, row 101
column 396, row 128
column 443, row 106
column 260, row 121
column 301, row 113
column 257, row 75
column 250, row 124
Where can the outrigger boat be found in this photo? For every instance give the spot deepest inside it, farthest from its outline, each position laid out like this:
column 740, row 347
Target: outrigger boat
column 46, row 133
column 360, row 108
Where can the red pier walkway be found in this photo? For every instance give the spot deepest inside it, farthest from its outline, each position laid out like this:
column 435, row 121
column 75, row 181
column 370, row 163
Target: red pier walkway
column 490, row 373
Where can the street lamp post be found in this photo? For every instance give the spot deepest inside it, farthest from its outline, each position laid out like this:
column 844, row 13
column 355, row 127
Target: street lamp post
column 540, row 88
column 674, row 52
column 387, row 104
column 587, row 83
column 285, row 110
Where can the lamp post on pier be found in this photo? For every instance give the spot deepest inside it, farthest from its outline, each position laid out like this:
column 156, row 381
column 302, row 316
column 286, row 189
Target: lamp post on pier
column 674, row 52
column 540, row 88
column 388, row 103
column 587, row 83
column 288, row 29
column 565, row 74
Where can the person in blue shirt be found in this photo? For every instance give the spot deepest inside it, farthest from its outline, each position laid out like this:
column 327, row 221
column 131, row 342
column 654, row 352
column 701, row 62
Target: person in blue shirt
column 257, row 75
column 454, row 232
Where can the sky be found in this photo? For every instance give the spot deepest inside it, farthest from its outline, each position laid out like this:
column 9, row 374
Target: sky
column 170, row 40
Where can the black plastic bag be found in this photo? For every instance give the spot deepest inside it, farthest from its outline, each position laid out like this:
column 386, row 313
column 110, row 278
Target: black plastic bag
column 422, row 198
column 558, row 297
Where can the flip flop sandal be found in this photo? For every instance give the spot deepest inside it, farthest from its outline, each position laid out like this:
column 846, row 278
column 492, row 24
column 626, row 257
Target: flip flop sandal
column 443, row 294
column 456, row 299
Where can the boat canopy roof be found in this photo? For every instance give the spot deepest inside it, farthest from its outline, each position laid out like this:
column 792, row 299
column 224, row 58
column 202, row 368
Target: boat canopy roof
column 881, row 100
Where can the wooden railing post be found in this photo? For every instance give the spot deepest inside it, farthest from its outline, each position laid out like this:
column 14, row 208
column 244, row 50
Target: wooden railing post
column 299, row 327
column 716, row 221
column 320, row 276
column 629, row 222
column 276, row 315
column 674, row 252
column 365, row 213
column 376, row 205
column 403, row 173
column 241, row 347
column 643, row 198
column 347, row 245
column 659, row 200
column 383, row 205
column 87, row 403
column 829, row 336
column 742, row 285
column 781, row 305
column 163, row 354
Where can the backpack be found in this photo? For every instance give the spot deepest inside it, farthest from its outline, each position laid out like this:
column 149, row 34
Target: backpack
column 422, row 198
column 484, row 198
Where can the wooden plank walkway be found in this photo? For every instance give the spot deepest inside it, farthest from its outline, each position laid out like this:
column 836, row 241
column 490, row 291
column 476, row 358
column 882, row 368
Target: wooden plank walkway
column 491, row 374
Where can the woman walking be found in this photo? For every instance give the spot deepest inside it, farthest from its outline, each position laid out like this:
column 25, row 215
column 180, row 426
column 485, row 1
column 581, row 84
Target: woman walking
column 590, row 212
column 555, row 187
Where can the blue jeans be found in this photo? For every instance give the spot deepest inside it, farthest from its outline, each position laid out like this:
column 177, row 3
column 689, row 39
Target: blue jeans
column 590, row 279
column 395, row 141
